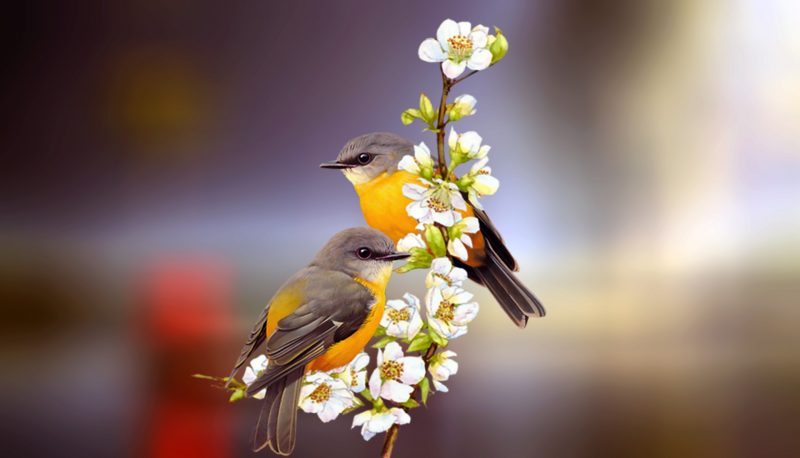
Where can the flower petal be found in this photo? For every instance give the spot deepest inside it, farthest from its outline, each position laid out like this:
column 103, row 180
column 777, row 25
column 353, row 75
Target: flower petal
column 457, row 249
column 422, row 154
column 457, row 201
column 396, row 391
column 448, row 28
column 414, row 191
column 464, row 28
column 478, row 37
column 408, row 164
column 392, row 352
column 249, row 376
column 465, row 313
column 470, row 141
column 454, row 70
column 479, row 60
column 410, row 241
column 445, row 218
column 413, row 369
column 375, row 384
column 486, row 185
column 380, row 422
column 361, row 418
column 401, row 416
column 431, row 51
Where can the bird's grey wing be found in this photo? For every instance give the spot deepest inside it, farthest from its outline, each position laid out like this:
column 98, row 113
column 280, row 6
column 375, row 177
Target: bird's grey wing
column 256, row 338
column 259, row 332
column 336, row 306
column 492, row 237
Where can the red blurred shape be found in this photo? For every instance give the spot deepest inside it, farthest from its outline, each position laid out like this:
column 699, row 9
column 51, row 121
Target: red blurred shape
column 187, row 320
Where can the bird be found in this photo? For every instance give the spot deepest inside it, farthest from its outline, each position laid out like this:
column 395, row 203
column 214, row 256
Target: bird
column 370, row 163
column 320, row 319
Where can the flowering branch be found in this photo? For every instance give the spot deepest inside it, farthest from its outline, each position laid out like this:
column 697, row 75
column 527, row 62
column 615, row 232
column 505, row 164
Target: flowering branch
column 402, row 380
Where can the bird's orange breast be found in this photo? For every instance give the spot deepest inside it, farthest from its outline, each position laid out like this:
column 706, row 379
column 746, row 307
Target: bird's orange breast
column 384, row 207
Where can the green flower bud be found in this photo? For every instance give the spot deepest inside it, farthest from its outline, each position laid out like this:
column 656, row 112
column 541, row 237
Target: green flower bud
column 498, row 46
column 408, row 116
column 426, row 108
column 435, row 240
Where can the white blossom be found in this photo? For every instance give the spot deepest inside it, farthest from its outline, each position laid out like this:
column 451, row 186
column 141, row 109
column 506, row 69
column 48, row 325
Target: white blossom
column 410, row 241
column 401, row 318
column 325, row 396
column 457, row 46
column 441, row 368
column 466, row 145
column 463, row 105
column 395, row 374
column 434, row 202
column 459, row 238
column 354, row 374
column 373, row 422
column 443, row 272
column 480, row 182
column 420, row 164
column 449, row 310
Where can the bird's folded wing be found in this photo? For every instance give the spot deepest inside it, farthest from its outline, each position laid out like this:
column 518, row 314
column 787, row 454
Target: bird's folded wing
column 256, row 338
column 337, row 307
column 493, row 238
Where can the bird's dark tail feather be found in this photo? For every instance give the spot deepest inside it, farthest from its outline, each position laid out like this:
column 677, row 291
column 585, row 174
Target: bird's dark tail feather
column 517, row 301
column 277, row 423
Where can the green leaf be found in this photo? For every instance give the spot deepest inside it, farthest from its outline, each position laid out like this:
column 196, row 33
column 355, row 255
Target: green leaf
column 410, row 404
column 408, row 116
column 407, row 267
column 424, row 390
column 498, row 47
column 236, row 395
column 367, row 395
column 439, row 340
column 421, row 343
column 383, row 342
column 426, row 108
column 435, row 240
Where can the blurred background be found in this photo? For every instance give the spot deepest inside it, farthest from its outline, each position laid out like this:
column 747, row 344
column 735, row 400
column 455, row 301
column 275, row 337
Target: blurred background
column 160, row 181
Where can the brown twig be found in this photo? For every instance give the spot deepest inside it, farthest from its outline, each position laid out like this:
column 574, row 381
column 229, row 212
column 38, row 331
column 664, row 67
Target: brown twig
column 440, row 123
column 388, row 444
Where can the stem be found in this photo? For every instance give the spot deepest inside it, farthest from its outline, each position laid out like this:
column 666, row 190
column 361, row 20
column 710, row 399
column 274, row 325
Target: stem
column 440, row 124
column 388, row 444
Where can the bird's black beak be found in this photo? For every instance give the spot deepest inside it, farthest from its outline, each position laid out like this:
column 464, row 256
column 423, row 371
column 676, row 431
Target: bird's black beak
column 335, row 165
column 394, row 256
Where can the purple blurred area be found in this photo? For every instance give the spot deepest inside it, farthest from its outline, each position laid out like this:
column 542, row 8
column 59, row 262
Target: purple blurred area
column 160, row 181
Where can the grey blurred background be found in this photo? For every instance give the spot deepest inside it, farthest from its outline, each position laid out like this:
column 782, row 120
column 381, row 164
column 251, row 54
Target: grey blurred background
column 160, row 181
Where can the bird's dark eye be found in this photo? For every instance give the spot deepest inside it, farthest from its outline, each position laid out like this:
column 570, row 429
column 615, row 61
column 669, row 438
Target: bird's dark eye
column 364, row 158
column 364, row 253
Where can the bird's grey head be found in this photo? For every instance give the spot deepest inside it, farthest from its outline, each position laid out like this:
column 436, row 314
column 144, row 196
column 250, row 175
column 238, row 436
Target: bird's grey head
column 359, row 252
column 368, row 156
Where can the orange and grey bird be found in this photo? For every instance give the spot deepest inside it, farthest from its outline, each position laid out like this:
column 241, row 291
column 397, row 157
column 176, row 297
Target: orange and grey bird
column 370, row 162
column 320, row 319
